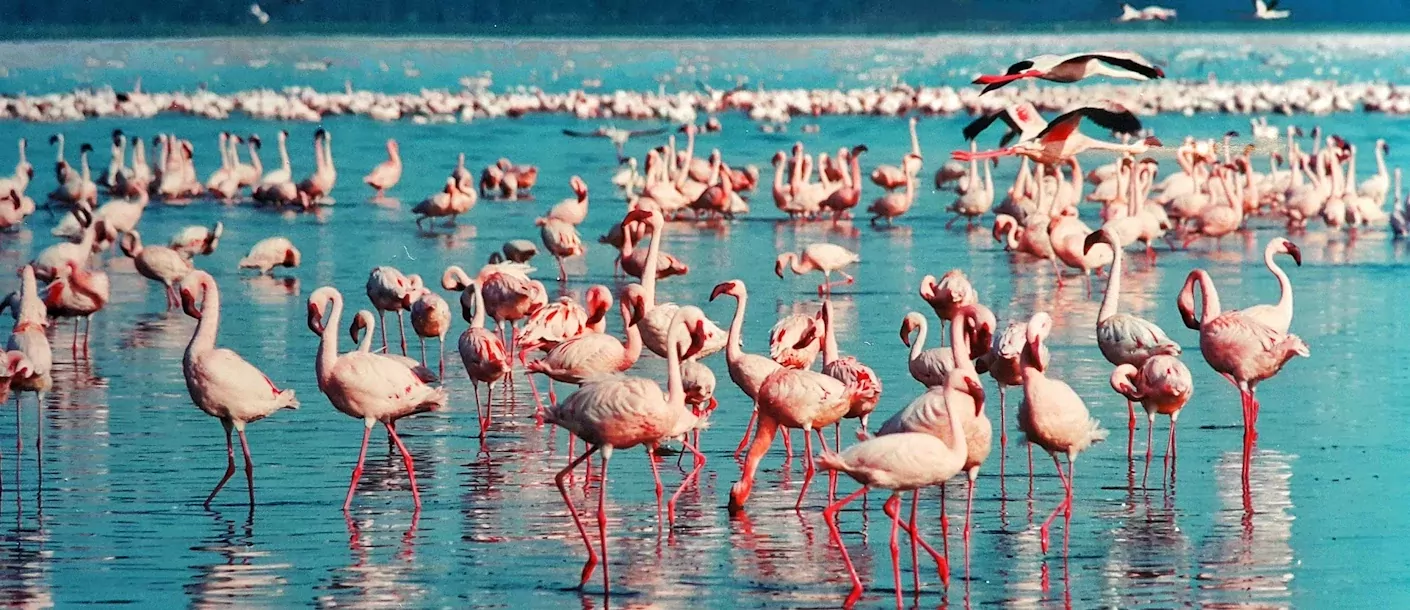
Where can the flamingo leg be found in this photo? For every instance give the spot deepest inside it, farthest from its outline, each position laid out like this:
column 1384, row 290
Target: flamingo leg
column 699, row 463
column 1003, row 429
column 230, row 463
column 1150, row 429
column 1067, row 497
column 830, row 516
column 656, row 474
column 969, row 507
column 788, row 445
column 753, row 417
column 602, row 525
column 410, row 465
column 479, row 408
column 895, row 513
column 763, row 437
column 249, row 464
column 423, row 350
column 442, row 360
column 1170, row 449
column 915, row 555
column 401, row 326
column 1130, row 428
column 944, row 523
column 357, row 470
column 489, row 405
column 808, row 468
column 573, row 512
column 382, row 326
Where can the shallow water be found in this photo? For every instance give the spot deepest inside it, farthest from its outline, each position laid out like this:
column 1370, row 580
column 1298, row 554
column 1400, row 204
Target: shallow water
column 114, row 514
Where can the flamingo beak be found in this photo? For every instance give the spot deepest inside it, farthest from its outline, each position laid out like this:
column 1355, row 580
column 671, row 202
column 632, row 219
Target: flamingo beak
column 638, row 312
column 697, row 341
column 809, row 336
column 188, row 304
column 353, row 331
column 778, row 269
column 636, row 216
column 976, row 390
column 906, row 328
column 722, row 288
column 315, row 316
column 1294, row 252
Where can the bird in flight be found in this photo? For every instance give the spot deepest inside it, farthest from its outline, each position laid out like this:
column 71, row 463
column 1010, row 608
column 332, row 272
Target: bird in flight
column 1269, row 10
column 618, row 137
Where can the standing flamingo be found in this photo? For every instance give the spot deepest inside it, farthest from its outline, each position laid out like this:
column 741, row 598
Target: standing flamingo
column 932, row 366
column 622, row 412
column 655, row 321
column 795, row 341
column 157, row 263
column 367, row 386
column 390, row 290
column 388, row 173
column 1052, row 415
column 858, row 377
column 28, row 337
column 593, row 354
column 946, row 296
column 562, row 240
column 484, row 356
column 222, row 383
column 364, row 326
column 430, row 317
column 80, row 292
column 824, row 257
column 1162, row 385
column 747, row 371
column 573, row 211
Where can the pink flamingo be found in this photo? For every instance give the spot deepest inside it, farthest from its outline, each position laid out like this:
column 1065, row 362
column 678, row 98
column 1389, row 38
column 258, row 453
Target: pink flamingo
column 655, row 321
column 900, row 463
column 795, row 341
column 824, row 257
column 390, row 290
column 562, row 240
column 508, row 293
column 946, row 296
column 1162, row 385
column 78, row 293
column 157, row 263
column 932, row 366
column 269, row 253
column 364, row 325
column 368, row 386
column 806, row 400
column 962, row 392
column 1053, row 416
column 572, row 211
column 1241, row 347
column 1060, row 140
column 747, row 371
column 592, row 354
column 430, row 317
column 1075, row 67
column 483, row 354
column 633, row 258
column 844, row 199
column 1003, row 364
column 27, row 336
column 622, row 412
column 221, row 383
column 562, row 320
column 195, row 239
column 387, row 173
column 1122, row 337
column 858, row 377
column 1278, row 316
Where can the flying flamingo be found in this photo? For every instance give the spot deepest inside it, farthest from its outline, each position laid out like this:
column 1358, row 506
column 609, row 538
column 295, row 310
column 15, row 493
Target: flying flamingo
column 622, row 412
column 387, row 173
column 269, row 253
column 1052, row 415
column 747, row 371
column 858, row 377
column 1122, row 337
column 1075, row 67
column 483, row 354
column 961, row 391
column 1241, row 347
column 222, row 383
column 368, row 386
column 900, row 463
column 824, row 257
column 390, row 290
column 1162, row 385
column 157, row 263
column 795, row 341
column 1061, row 141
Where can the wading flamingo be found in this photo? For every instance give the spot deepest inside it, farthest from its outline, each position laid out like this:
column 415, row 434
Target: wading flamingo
column 388, row 173
column 747, row 371
column 824, row 257
column 1163, row 385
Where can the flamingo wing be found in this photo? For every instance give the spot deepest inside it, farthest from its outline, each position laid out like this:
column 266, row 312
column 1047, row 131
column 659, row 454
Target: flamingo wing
column 1127, row 339
column 1131, row 62
column 584, row 134
column 648, row 132
column 1114, row 118
column 976, row 127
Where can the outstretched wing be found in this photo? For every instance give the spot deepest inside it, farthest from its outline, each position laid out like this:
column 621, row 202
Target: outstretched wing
column 584, row 134
column 1132, row 62
column 649, row 132
column 976, row 127
column 1114, row 118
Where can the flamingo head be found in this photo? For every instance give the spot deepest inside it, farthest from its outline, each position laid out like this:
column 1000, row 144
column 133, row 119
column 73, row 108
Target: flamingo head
column 85, row 148
column 912, row 321
column 54, row 139
column 189, row 286
column 579, row 188
column 780, row 262
column 292, row 257
column 1038, row 328
column 359, row 324
column 317, row 302
column 698, row 335
column 254, row 139
column 975, row 389
column 1281, row 245
column 650, row 216
column 1096, row 237
column 929, row 288
column 779, row 158
column 634, row 298
column 1122, row 380
column 979, row 324
column 733, row 288
column 599, row 302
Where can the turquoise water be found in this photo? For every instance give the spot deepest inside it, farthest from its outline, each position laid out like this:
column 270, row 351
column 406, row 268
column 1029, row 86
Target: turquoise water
column 114, row 513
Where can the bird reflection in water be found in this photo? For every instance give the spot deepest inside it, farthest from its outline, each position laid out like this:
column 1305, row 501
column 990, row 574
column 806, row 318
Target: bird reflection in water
column 786, row 557
column 457, row 237
column 168, row 331
column 1148, row 555
column 270, row 290
column 1248, row 561
column 366, row 583
column 25, row 566
column 236, row 577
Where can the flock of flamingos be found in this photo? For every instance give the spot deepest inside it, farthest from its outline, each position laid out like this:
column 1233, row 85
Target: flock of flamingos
column 944, row 433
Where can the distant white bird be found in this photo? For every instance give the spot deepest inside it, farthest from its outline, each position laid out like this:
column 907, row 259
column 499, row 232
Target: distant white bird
column 1269, row 10
column 259, row 14
column 1150, row 13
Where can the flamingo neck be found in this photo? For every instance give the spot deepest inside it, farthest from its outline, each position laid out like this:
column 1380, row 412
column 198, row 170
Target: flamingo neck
column 284, row 155
column 675, row 386
column 918, row 345
column 959, row 342
column 365, row 343
column 1380, row 160
column 798, row 265
column 856, row 179
column 734, row 348
column 328, row 341
column 648, row 275
column 915, row 141
column 633, row 345
column 32, row 310
column 1111, row 300
column 209, row 325
column 1285, row 297
column 479, row 299
column 254, row 158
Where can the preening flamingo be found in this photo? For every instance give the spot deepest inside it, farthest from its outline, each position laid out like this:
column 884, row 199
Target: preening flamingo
column 1052, row 415
column 221, row 383
column 157, row 263
column 365, row 385
column 430, row 317
column 364, row 326
column 197, row 240
column 622, row 412
column 1163, row 385
column 859, row 377
column 795, row 340
column 269, row 253
column 594, row 354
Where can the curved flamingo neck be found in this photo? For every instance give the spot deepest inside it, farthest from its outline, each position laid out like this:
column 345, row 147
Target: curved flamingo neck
column 1209, row 309
column 918, row 345
column 633, row 344
column 959, row 342
column 254, row 158
column 675, row 387
column 797, row 265
column 1111, row 301
column 856, row 179
column 479, row 299
column 284, row 154
column 369, row 328
column 734, row 347
column 648, row 275
column 1285, row 296
column 209, row 325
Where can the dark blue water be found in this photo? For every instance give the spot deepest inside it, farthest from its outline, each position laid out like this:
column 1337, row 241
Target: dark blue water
column 114, row 514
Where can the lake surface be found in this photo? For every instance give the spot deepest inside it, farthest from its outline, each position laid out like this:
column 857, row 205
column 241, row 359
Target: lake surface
column 114, row 513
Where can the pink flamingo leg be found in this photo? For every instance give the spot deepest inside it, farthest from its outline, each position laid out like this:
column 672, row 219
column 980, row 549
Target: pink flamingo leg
column 401, row 326
column 788, row 445
column 249, row 464
column 830, row 516
column 763, row 437
column 441, row 362
column 656, row 474
column 382, row 326
column 964, row 155
column 941, row 564
column 699, row 460
column 831, row 474
column 1249, row 435
column 410, row 465
column 944, row 523
column 573, row 512
column 1130, row 428
column 915, row 555
column 357, row 470
column 1150, row 429
column 602, row 526
column 1067, row 497
column 753, row 417
column 479, row 408
column 1170, row 451
column 808, row 469
column 230, row 463
column 489, row 405
column 895, row 513
column 969, row 509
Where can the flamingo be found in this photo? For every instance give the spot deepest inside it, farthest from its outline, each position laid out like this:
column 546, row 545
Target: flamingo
column 747, row 371
column 483, row 355
column 157, row 263
column 1060, row 140
column 320, row 184
column 52, row 260
column 572, row 211
column 1278, row 316
column 447, row 202
column 193, row 240
column 590, row 355
column 221, row 383
column 858, row 377
column 430, row 317
column 1243, row 348
column 364, row 326
column 561, row 239
column 824, row 257
column 795, row 341
column 842, row 200
column 269, row 253
column 891, row 177
column 508, row 294
column 1075, row 67
column 1003, row 363
column 1023, row 122
column 948, row 295
column 633, row 258
column 387, row 173
column 932, row 366
column 1163, row 385
column 368, row 386
column 27, row 336
column 893, row 205
column 391, row 290
column 978, row 198
column 622, row 412
column 1122, row 337
column 519, row 250
column 78, row 292
column 655, row 321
